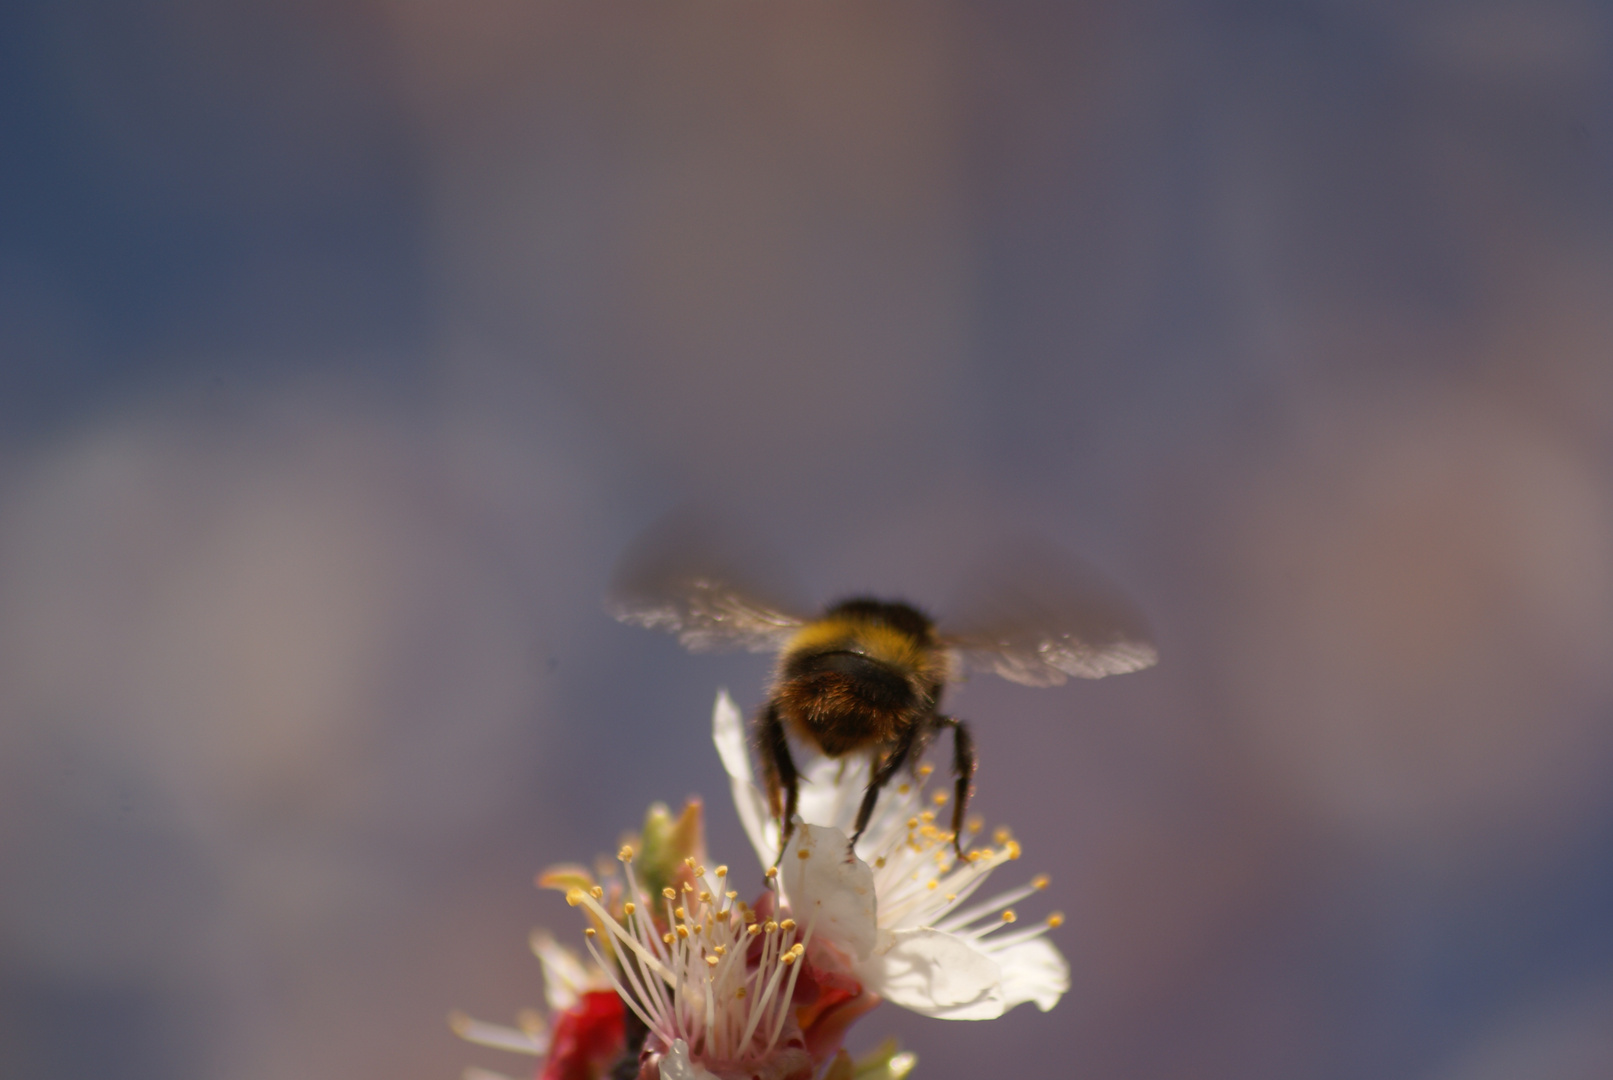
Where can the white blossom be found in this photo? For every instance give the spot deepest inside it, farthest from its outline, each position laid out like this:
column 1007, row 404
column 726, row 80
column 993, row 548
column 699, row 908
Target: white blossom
column 695, row 980
column 900, row 908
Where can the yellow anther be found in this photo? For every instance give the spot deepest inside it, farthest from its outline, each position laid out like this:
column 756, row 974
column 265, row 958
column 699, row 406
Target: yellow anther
column 731, row 894
column 933, row 885
column 666, row 938
column 1002, row 835
column 626, row 854
column 700, row 871
column 912, row 823
column 711, row 961
column 975, row 823
column 669, row 893
column 903, row 789
column 787, row 925
column 722, row 871
column 721, row 950
column 629, row 907
column 772, row 872
column 679, row 913
column 770, row 926
column 951, row 896
column 925, row 771
column 927, row 816
column 879, row 863
column 939, row 798
column 683, row 931
column 597, row 892
column 739, row 995
column 689, row 862
column 1013, row 849
column 1056, row 919
column 1009, row 916
column 753, row 928
column 798, row 949
column 588, row 931
column 698, row 928
column 788, row 958
column 574, row 897
column 705, row 897
column 688, row 886
column 804, row 853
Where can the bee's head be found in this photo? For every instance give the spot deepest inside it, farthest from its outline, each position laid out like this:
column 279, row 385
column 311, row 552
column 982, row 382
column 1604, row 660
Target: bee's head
column 903, row 618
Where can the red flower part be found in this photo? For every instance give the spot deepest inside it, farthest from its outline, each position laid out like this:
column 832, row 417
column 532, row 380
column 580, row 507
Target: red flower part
column 828, row 999
column 588, row 1038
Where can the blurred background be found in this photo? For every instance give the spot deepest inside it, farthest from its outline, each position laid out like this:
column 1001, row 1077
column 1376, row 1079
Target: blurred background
column 345, row 345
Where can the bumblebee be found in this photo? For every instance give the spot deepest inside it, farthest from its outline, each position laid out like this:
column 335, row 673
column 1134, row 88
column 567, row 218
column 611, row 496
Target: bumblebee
column 865, row 676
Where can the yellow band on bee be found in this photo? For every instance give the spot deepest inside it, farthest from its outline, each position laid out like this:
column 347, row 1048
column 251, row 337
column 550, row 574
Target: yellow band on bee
column 873, row 640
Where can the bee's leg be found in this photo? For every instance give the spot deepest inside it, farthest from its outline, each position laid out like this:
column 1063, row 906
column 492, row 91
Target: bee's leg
column 778, row 770
column 963, row 769
column 882, row 773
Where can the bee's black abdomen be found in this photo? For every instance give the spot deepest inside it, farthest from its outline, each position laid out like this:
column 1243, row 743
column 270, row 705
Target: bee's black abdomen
column 844, row 701
column 876, row 685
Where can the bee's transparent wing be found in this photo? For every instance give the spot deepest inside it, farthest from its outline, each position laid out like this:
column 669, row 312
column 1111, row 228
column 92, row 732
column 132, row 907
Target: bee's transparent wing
column 707, row 615
column 690, row 578
column 1037, row 616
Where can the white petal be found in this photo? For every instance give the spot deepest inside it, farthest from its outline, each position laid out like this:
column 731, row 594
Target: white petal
column 676, row 1065
column 830, row 889
column 728, row 732
column 564, row 976
column 498, row 1036
column 831, row 790
column 937, row 974
column 1033, row 971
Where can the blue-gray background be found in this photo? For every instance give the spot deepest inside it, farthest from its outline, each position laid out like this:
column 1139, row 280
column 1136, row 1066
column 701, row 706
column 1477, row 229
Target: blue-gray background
column 343, row 346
